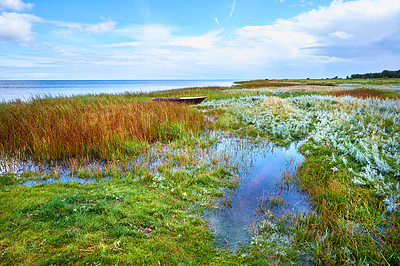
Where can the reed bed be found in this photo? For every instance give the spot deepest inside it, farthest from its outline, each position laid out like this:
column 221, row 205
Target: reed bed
column 365, row 93
column 60, row 128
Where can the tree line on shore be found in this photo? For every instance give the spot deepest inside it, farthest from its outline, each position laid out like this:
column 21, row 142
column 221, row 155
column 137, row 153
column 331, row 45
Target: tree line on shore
column 383, row 74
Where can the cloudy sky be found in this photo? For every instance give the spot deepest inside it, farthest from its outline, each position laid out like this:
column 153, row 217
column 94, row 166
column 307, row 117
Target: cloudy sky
column 207, row 39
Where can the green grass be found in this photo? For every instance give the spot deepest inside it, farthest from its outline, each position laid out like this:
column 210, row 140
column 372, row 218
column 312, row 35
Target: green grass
column 102, row 222
column 351, row 215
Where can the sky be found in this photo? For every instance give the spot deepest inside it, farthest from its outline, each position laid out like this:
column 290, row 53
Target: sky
column 207, row 39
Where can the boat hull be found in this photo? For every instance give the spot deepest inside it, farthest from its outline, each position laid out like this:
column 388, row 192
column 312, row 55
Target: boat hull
column 187, row 100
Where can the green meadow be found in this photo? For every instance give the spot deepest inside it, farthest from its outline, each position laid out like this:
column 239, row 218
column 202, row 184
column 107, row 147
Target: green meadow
column 123, row 180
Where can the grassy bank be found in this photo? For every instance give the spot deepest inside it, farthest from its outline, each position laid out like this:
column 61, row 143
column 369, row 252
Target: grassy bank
column 108, row 222
column 148, row 171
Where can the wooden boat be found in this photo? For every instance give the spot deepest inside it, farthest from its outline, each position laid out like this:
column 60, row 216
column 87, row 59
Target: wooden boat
column 188, row 100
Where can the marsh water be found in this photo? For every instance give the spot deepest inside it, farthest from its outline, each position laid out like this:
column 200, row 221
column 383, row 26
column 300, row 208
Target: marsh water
column 238, row 213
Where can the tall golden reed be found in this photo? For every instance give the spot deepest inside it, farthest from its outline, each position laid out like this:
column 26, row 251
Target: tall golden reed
column 59, row 128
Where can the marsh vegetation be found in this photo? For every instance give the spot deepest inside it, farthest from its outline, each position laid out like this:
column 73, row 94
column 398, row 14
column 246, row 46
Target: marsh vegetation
column 118, row 179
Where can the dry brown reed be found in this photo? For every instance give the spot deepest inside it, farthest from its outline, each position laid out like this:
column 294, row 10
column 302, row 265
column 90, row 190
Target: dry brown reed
column 321, row 83
column 276, row 104
column 272, row 101
column 361, row 93
column 60, row 128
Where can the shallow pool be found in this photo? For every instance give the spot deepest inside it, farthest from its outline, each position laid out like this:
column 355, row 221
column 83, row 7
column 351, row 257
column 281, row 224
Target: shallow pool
column 266, row 165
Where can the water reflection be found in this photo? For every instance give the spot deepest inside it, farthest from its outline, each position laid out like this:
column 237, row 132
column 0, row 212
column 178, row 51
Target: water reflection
column 64, row 179
column 234, row 219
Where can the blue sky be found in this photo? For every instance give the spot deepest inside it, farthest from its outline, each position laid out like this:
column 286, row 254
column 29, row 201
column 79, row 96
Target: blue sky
column 233, row 39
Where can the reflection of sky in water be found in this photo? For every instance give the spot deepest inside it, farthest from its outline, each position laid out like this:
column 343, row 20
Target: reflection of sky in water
column 53, row 180
column 231, row 223
column 25, row 89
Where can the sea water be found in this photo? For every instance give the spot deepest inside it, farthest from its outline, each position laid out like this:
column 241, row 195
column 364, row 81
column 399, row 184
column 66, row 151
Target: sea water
column 26, row 89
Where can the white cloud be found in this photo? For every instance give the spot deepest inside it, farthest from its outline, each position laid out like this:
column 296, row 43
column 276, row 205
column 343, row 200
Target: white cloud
column 69, row 25
column 232, row 9
column 341, row 35
column 102, row 27
column 345, row 24
column 99, row 28
column 205, row 42
column 15, row 5
column 122, row 44
column 23, row 63
column 217, row 21
column 17, row 27
column 364, row 19
column 34, row 75
column 148, row 33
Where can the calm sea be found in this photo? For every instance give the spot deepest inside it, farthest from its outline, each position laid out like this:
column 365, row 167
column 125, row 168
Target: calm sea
column 26, row 89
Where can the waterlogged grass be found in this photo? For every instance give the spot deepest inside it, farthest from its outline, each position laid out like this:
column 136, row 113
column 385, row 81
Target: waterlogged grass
column 138, row 175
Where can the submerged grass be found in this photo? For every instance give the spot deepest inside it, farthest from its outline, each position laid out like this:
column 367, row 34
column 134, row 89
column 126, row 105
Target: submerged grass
column 149, row 175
